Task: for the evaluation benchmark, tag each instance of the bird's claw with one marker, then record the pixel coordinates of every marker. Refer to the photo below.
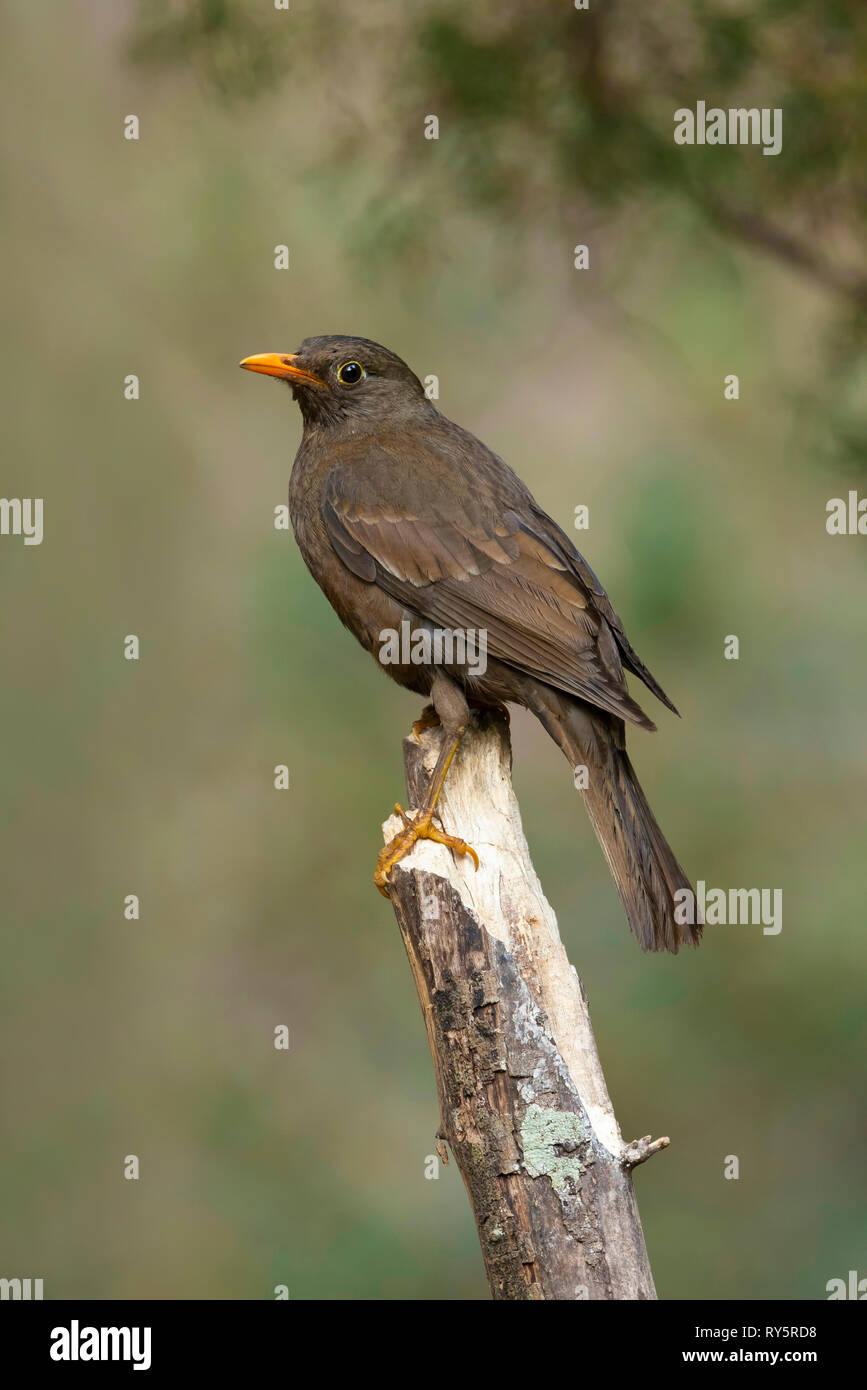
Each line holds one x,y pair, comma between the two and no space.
418,827
428,719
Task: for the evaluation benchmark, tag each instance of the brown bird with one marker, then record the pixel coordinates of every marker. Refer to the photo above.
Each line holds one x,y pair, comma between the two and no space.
403,517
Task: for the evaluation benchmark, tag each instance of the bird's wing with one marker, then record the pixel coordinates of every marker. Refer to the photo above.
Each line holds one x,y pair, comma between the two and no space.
561,545
479,560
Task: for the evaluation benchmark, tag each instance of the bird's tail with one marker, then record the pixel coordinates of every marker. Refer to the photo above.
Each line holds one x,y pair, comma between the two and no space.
640,858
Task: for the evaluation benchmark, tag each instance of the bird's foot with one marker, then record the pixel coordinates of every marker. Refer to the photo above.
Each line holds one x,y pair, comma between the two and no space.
418,827
428,719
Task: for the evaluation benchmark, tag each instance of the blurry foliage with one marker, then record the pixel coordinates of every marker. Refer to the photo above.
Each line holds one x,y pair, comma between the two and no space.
223,42
577,106
667,583
557,119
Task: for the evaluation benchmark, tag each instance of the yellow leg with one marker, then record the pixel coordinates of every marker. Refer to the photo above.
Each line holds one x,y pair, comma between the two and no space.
420,826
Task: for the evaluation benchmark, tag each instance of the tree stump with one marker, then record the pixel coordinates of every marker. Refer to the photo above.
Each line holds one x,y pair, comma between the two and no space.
523,1101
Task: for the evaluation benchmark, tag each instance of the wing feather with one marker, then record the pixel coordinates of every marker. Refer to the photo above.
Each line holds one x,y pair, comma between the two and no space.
466,562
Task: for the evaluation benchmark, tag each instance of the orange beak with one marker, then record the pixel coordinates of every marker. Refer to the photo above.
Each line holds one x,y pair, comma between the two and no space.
283,365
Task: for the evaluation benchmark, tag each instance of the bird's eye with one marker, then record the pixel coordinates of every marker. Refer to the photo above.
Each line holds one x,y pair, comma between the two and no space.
350,373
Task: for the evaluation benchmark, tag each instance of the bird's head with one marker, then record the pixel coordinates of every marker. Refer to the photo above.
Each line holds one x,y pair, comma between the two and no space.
337,379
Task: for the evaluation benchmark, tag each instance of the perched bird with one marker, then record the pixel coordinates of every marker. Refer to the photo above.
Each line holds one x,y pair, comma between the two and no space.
403,516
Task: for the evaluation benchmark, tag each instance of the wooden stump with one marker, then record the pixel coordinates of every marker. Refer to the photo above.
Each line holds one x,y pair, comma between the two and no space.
524,1105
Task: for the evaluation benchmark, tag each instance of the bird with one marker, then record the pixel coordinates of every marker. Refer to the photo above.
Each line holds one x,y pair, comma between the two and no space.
403,516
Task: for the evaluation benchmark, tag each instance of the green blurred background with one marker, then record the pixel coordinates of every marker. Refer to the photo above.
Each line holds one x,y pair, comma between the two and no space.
603,387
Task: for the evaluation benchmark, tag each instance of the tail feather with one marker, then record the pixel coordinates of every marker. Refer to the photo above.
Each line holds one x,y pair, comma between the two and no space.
640,858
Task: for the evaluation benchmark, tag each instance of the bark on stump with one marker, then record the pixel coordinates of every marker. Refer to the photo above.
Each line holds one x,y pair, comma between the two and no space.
523,1101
